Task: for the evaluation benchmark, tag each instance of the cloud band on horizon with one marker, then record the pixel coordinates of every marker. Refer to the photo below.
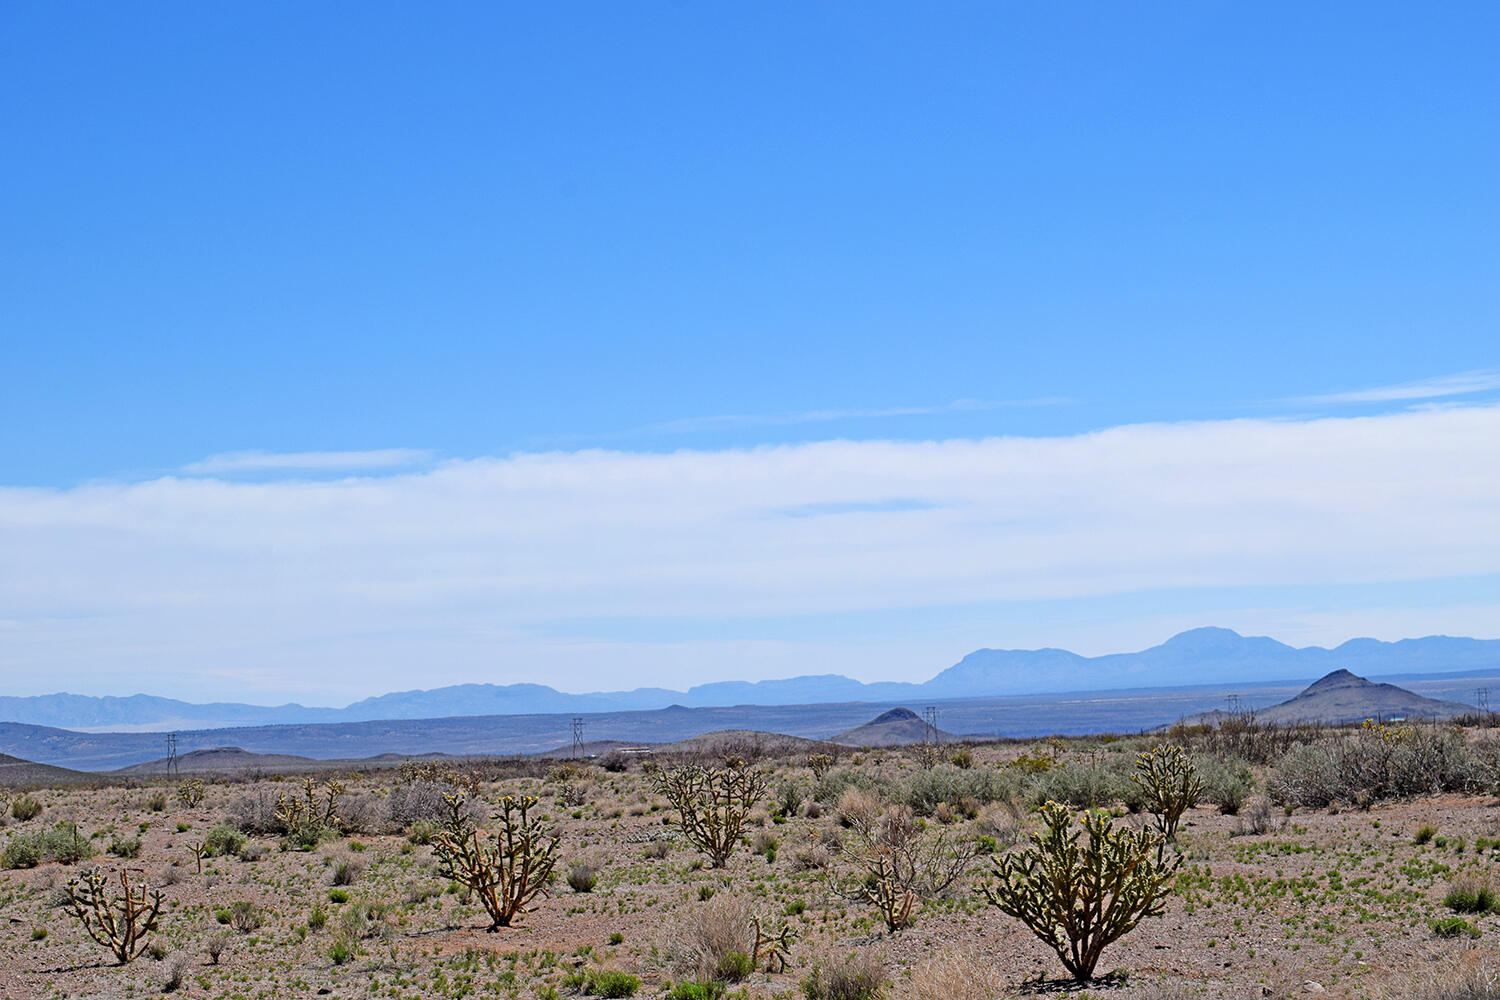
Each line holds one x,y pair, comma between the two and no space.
457,563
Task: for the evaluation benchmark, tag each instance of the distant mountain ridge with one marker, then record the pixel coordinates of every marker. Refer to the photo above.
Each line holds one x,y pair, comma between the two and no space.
1199,656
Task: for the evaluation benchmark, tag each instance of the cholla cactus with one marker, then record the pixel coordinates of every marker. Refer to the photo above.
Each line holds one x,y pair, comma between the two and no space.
712,803
293,812
288,811
332,790
190,792
1079,899
820,764
506,870
1171,785
441,773
121,922
773,945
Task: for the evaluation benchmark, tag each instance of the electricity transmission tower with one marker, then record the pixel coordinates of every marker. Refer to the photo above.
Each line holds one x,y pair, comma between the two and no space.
930,713
577,736
172,755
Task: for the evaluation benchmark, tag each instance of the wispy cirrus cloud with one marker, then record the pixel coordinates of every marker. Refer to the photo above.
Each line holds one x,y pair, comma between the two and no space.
1441,386
732,421
855,507
307,461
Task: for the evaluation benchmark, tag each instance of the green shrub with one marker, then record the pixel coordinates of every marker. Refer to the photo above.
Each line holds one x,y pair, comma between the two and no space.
1375,762
602,983
1471,896
306,836
62,843
1227,783
709,990
338,896
340,951
65,844
789,798
23,851
612,983
1425,834
422,831
1451,927
734,967
224,840
25,808
926,789
1084,786
125,848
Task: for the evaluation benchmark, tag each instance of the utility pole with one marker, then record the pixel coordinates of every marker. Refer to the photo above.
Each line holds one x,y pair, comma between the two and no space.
930,713
172,755
577,737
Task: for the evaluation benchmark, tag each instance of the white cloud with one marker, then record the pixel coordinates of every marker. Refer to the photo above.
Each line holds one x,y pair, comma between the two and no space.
308,461
1461,384
425,577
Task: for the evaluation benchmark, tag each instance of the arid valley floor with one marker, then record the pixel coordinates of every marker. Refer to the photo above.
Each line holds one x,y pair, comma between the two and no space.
1287,896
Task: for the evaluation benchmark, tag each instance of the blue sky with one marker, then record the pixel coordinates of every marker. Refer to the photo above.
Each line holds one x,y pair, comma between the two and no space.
252,251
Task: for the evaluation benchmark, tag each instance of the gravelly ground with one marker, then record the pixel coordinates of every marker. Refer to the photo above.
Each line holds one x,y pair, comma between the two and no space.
1339,903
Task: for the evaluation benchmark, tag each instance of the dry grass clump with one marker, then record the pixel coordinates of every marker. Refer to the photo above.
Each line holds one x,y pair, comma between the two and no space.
713,942
1475,976
859,809
1258,817
813,857
957,974
1004,821
855,976
1282,986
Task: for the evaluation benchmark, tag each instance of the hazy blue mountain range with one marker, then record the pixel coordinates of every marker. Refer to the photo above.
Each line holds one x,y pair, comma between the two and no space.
1199,656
